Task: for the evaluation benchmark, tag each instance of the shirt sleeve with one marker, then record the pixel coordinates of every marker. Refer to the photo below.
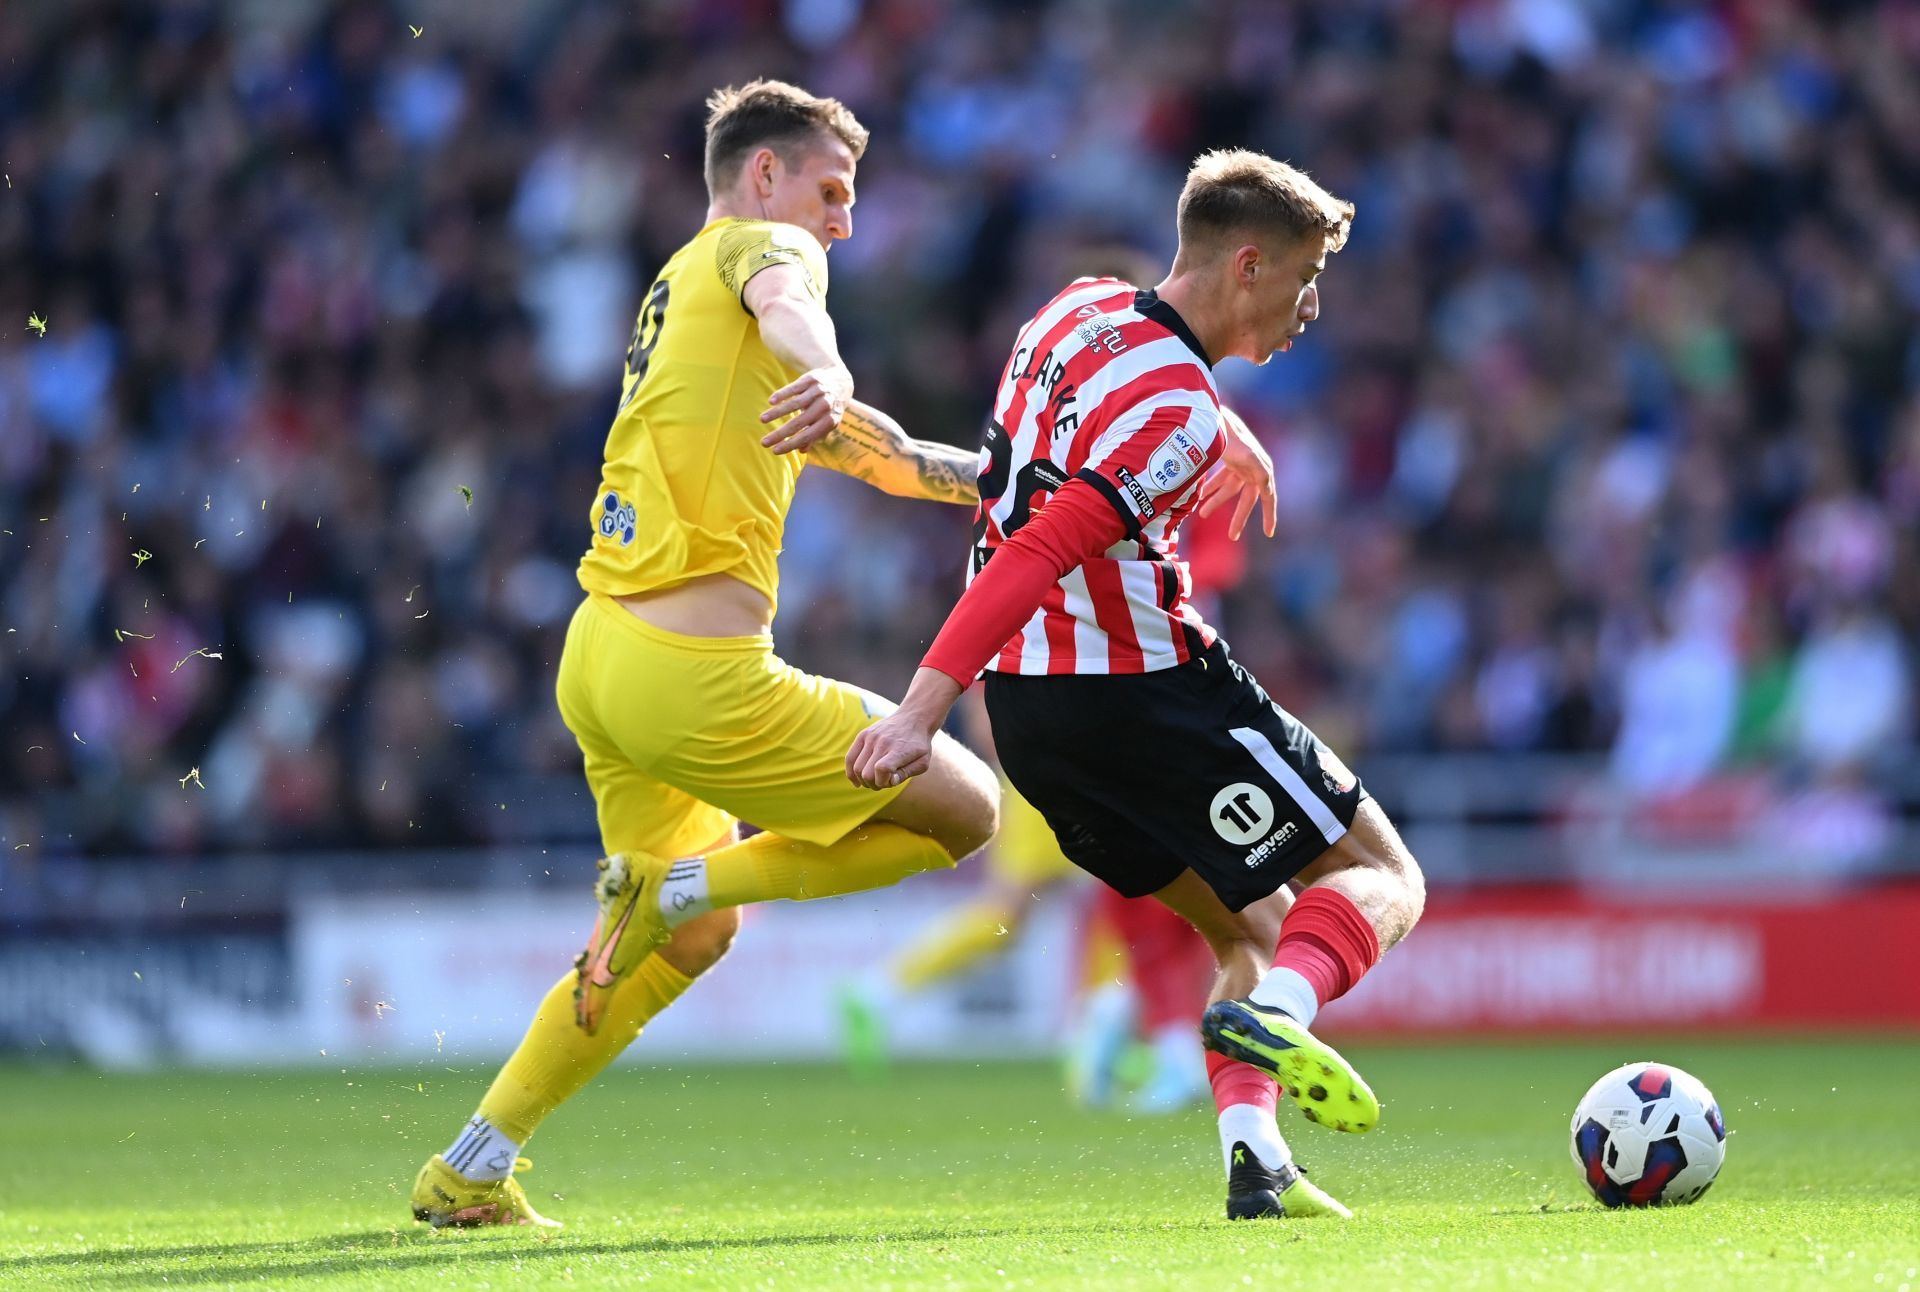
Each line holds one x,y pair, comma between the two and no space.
754,245
1072,527
1153,453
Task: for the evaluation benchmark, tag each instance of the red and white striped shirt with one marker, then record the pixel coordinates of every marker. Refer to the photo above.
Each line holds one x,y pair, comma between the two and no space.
1107,384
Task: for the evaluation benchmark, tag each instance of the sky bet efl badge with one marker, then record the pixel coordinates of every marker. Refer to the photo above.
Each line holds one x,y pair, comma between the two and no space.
1175,461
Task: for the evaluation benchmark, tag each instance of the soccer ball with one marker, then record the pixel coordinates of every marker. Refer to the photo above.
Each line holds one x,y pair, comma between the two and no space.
1648,1134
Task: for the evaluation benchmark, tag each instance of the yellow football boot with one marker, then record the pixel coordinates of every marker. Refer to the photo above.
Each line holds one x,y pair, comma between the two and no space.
628,928
443,1197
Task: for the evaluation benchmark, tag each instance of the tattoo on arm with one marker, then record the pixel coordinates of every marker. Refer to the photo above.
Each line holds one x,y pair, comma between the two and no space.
868,445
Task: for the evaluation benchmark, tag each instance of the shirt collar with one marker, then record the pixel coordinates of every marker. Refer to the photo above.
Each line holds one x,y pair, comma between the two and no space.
1147,302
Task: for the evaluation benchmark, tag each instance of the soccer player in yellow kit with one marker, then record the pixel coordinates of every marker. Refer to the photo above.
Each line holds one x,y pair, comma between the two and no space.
689,723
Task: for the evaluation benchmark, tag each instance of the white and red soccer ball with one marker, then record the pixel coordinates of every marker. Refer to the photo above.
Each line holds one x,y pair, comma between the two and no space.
1648,1134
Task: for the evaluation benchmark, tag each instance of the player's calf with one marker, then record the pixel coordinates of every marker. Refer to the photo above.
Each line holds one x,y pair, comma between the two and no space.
699,944
1262,1178
1362,895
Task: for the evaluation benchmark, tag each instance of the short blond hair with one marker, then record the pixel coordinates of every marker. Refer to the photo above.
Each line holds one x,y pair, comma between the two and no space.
773,114
1236,190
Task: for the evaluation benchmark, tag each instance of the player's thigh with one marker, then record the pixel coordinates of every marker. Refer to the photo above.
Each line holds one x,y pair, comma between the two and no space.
1025,854
1257,924
1210,778
638,812
771,749
720,722
956,800
1370,843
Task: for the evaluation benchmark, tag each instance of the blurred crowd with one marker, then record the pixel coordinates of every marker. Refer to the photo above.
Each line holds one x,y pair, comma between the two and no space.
1608,440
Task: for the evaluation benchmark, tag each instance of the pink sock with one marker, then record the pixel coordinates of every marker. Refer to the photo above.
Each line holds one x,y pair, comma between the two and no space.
1235,1082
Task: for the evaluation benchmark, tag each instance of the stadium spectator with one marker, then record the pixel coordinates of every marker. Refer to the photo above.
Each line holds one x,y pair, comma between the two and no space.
1632,294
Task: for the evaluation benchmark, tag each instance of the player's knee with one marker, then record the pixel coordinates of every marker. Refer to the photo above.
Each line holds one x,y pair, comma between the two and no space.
1390,856
979,818
1416,881
957,805
1380,851
973,815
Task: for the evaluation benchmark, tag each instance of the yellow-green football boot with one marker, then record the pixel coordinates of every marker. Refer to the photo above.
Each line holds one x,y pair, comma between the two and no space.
444,1198
1256,1191
1312,1072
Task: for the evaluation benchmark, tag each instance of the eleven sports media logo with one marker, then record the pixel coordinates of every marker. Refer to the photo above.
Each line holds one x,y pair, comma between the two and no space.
1243,812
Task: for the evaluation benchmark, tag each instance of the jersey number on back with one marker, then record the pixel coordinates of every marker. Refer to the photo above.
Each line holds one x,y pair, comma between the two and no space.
646,335
1035,478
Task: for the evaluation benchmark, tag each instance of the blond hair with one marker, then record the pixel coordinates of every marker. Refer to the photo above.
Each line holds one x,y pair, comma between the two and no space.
773,114
1234,190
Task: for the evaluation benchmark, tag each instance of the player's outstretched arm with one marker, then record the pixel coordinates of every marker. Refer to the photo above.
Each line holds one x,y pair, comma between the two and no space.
1077,524
868,445
799,331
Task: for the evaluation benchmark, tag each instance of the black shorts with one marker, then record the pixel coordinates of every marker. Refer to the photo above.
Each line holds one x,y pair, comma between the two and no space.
1145,775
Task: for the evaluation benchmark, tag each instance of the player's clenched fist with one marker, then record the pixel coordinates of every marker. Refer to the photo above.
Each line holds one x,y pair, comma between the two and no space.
888,752
900,745
814,403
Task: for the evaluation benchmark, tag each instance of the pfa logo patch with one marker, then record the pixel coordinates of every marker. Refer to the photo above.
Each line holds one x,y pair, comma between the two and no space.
617,518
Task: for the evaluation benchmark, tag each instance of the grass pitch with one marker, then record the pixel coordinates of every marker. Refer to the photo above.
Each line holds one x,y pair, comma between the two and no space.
962,1175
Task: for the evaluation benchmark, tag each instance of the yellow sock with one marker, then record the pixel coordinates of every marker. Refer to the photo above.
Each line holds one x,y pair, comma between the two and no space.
770,865
556,1058
964,938
1106,957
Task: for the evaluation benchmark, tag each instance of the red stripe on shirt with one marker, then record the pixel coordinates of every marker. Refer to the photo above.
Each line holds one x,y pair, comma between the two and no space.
1113,616
1062,328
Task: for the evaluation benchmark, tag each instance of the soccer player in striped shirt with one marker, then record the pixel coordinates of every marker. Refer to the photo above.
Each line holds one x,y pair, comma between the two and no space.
1161,764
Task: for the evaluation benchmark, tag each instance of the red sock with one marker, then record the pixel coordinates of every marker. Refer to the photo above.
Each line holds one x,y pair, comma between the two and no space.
1235,1082
1326,940
1171,964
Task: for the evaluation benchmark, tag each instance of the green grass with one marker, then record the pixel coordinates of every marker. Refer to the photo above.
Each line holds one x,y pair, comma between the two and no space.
966,1175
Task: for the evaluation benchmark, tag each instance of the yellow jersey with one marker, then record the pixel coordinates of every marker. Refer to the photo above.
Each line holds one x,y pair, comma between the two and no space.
687,488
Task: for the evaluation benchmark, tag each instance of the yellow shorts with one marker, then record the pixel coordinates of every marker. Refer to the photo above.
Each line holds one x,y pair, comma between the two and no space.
684,736
1025,854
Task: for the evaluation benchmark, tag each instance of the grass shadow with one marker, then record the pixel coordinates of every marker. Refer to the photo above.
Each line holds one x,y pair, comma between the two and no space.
415,1249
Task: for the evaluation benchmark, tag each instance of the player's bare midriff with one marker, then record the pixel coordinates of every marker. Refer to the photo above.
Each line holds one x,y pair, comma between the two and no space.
709,605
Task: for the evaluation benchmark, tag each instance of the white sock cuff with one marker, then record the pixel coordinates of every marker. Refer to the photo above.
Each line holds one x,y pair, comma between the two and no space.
1288,991
1253,1126
684,894
481,1152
